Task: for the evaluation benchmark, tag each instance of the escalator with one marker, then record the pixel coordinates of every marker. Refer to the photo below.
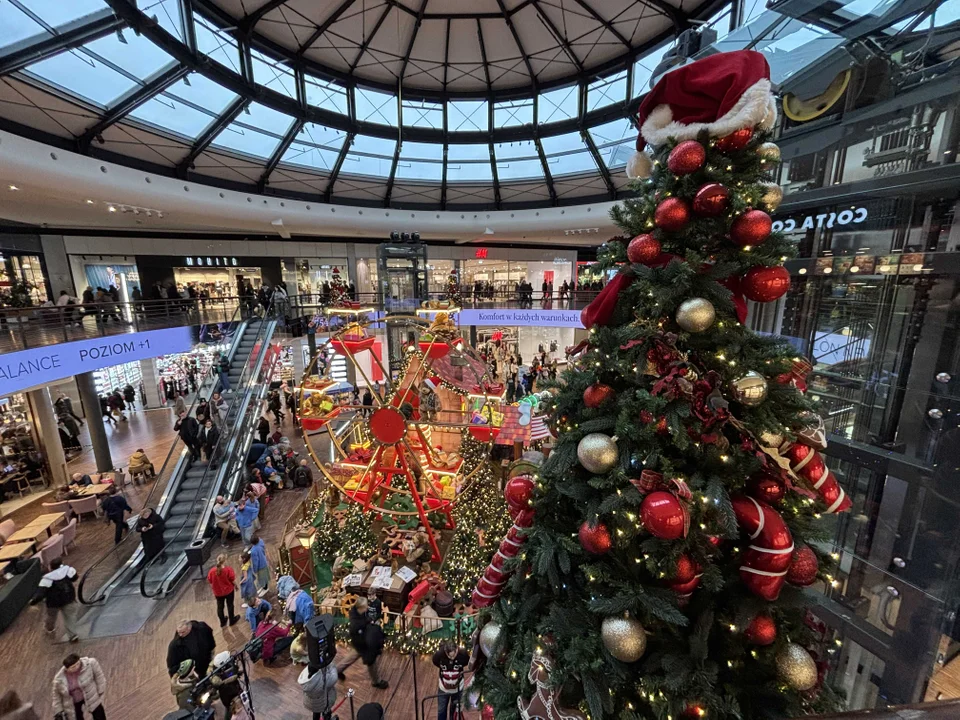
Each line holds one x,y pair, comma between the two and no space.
181,494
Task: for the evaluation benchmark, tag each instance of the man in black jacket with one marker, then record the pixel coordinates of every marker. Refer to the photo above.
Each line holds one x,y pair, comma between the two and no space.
366,640
189,430
57,589
209,438
263,428
114,506
193,641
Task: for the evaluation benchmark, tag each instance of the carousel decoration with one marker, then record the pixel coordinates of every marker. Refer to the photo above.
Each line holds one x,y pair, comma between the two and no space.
398,458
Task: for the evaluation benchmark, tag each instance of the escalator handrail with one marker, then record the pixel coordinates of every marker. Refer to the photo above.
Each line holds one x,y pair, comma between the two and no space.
227,435
131,542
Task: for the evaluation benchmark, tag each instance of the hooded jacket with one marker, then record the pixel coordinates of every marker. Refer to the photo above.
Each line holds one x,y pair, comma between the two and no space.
319,691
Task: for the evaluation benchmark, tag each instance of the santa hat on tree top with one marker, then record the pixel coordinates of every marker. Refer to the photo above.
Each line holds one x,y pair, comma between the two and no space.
720,93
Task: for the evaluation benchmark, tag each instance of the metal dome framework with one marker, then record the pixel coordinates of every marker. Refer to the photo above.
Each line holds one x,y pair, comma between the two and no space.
247,111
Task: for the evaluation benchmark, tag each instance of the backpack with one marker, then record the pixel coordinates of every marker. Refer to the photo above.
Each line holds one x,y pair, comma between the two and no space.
60,593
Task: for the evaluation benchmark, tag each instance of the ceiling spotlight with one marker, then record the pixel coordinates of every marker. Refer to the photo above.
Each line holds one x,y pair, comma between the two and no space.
112,209
14,188
160,215
90,202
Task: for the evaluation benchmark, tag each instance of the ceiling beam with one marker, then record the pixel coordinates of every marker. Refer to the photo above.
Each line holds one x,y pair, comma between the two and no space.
324,26
459,16
604,171
337,166
523,53
130,101
446,60
443,179
187,25
282,148
679,20
545,19
483,58
69,36
393,175
547,176
208,135
497,201
366,43
247,23
606,23
413,39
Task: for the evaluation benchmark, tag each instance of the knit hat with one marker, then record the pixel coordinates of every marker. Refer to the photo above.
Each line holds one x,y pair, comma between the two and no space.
185,667
720,93
221,658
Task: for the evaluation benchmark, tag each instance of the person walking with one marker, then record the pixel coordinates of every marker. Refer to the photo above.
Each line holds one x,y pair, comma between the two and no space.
150,526
259,564
115,507
179,405
319,686
223,582
303,475
57,589
274,406
105,411
69,432
366,641
263,429
193,641
247,512
130,397
189,430
80,684
451,660
64,405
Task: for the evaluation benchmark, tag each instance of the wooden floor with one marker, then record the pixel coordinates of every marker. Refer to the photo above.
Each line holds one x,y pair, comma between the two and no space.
138,687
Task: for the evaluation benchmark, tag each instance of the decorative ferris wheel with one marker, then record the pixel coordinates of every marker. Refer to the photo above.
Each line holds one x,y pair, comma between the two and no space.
399,456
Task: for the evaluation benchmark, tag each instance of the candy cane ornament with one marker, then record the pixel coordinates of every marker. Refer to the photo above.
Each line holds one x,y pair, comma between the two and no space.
808,465
765,563
490,585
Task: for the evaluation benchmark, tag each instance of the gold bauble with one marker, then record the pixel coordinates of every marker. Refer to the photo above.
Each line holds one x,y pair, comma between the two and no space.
772,439
696,315
624,638
772,196
749,389
796,668
769,152
598,453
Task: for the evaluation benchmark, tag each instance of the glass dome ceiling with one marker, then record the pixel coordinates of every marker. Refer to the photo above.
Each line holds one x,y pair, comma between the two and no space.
528,103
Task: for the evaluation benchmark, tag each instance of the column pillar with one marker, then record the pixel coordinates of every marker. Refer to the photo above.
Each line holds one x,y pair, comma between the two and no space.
151,383
58,265
91,410
42,405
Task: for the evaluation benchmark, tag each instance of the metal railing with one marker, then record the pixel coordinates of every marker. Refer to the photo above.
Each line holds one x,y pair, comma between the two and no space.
99,576
156,579
22,328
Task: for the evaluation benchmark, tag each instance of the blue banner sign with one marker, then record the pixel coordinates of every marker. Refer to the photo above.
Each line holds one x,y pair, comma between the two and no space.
38,366
521,318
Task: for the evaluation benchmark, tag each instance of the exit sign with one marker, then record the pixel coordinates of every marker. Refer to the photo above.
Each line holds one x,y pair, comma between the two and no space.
481,253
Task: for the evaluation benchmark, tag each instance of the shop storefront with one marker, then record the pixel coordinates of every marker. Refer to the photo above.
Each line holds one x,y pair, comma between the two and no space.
308,276
217,276
23,277
17,433
494,278
103,271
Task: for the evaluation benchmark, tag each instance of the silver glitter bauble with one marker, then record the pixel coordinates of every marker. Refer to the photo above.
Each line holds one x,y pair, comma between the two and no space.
696,315
489,636
598,453
624,638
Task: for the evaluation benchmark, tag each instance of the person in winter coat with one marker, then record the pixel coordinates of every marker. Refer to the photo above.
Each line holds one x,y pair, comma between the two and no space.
114,507
80,684
193,641
223,582
225,516
223,370
57,590
366,640
130,396
179,406
218,408
150,526
303,475
227,683
182,683
189,430
139,461
257,611
259,564
263,429
276,638
209,437
451,661
247,512
319,686
299,607
248,587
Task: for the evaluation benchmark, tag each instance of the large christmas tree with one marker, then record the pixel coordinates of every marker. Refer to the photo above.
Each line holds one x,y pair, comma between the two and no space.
657,563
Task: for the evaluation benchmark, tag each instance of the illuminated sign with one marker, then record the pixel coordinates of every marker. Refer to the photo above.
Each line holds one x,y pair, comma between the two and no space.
39,366
521,318
481,253
827,220
210,262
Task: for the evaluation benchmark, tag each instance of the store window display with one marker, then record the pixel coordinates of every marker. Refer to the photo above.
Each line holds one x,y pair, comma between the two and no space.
216,282
22,282
312,274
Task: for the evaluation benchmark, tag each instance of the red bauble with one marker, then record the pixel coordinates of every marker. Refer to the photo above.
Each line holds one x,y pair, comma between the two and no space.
765,284
762,631
751,228
595,539
673,214
803,567
662,427
687,157
643,249
711,200
664,516
766,488
486,713
686,570
597,394
737,140
646,417
518,492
